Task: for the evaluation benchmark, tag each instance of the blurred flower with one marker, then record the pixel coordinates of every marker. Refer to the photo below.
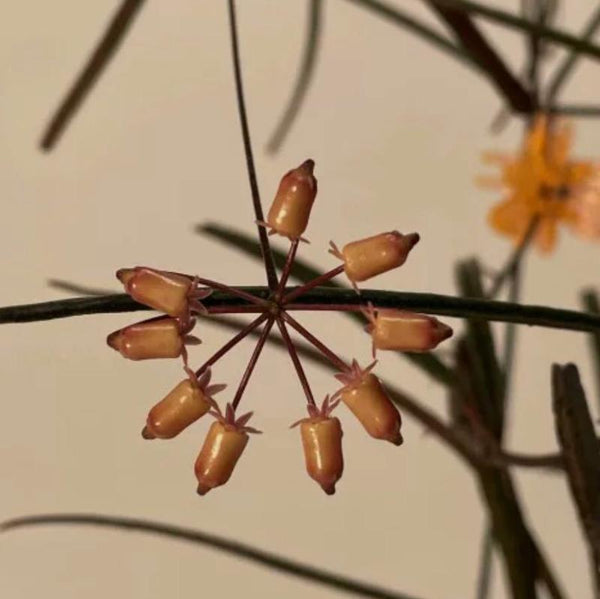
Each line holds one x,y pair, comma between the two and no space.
543,183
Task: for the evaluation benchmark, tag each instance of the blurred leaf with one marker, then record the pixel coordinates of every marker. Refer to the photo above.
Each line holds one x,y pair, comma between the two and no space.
514,21
566,68
577,438
96,64
486,379
305,74
303,272
229,546
77,289
591,303
408,22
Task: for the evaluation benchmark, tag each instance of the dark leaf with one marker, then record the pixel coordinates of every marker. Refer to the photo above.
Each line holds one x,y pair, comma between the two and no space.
577,438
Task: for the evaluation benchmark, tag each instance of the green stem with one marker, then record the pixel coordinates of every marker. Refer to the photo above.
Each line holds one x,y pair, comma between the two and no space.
330,298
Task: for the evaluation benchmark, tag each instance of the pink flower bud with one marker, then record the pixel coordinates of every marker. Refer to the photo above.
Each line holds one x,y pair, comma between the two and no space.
222,449
180,408
291,207
168,293
372,256
322,443
406,331
155,338
365,396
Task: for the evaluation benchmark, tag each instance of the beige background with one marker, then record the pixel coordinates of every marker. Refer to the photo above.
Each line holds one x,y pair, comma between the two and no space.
396,130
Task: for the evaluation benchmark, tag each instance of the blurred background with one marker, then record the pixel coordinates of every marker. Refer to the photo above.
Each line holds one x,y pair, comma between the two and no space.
396,129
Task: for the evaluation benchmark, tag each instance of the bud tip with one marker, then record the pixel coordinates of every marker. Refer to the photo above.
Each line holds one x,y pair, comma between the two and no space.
125,274
203,489
113,340
147,434
308,166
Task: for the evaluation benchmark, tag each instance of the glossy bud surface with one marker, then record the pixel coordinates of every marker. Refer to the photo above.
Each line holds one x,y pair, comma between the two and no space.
222,449
407,331
322,444
372,256
158,338
369,402
293,202
165,292
180,408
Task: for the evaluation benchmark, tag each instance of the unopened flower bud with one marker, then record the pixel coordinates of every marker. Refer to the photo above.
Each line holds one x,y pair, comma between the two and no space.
180,408
222,449
406,331
372,256
322,443
291,207
166,292
365,396
155,338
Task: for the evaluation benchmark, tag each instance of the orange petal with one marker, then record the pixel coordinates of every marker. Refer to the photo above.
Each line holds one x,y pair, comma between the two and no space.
510,217
545,238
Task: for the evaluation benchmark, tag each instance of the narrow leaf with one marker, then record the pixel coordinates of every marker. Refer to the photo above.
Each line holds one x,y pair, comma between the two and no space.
577,438
228,546
591,303
97,63
305,74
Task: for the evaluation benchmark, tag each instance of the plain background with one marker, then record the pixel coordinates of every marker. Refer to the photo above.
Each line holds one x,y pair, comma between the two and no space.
396,130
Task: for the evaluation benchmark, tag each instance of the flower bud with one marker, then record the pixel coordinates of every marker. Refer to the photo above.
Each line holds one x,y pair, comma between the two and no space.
322,443
222,449
162,291
181,407
291,207
406,331
368,401
155,338
372,256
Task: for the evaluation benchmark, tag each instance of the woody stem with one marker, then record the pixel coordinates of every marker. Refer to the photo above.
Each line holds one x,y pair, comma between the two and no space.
296,360
252,363
314,283
289,261
231,343
329,354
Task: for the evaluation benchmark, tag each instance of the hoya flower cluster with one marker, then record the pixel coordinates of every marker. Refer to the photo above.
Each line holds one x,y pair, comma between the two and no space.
179,297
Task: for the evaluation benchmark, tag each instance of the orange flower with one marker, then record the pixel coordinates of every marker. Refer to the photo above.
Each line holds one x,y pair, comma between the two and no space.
543,182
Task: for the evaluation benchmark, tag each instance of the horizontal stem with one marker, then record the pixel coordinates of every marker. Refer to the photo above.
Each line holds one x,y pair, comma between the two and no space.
329,299
292,295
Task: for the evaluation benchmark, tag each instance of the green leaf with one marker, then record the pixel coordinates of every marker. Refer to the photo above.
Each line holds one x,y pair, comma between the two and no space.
303,271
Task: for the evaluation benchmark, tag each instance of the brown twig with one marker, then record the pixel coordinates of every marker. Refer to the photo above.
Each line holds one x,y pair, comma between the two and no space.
239,90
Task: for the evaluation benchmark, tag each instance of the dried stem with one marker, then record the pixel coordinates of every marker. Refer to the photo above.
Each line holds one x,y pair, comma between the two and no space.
329,354
252,363
239,90
232,343
314,283
296,360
